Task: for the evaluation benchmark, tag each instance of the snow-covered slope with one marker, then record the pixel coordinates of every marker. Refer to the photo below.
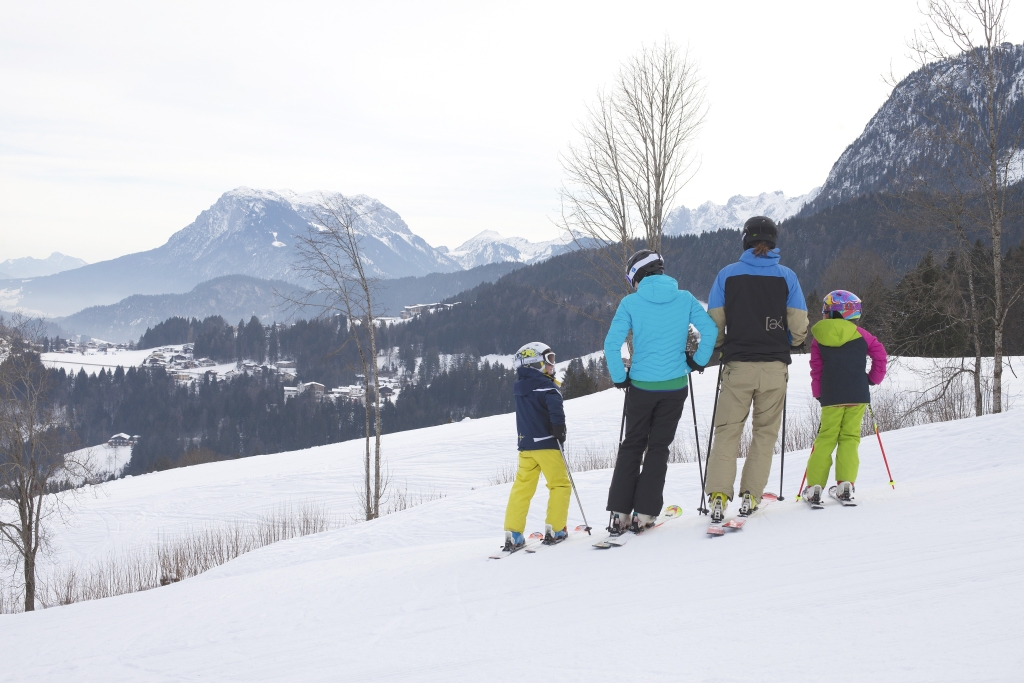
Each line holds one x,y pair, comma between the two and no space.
491,247
709,217
905,587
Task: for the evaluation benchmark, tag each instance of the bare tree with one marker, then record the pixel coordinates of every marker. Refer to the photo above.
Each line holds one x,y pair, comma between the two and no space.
634,155
35,443
983,136
330,258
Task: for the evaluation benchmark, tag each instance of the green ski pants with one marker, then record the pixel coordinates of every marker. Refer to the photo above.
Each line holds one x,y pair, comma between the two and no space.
840,426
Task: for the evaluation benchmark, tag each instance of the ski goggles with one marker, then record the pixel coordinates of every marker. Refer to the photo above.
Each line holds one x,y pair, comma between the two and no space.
549,357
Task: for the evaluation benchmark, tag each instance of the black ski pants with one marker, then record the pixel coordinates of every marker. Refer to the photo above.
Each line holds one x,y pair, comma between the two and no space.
651,419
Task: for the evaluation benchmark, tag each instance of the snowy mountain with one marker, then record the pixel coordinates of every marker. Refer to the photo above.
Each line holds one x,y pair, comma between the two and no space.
252,232
38,267
709,217
491,247
923,586
893,143
245,232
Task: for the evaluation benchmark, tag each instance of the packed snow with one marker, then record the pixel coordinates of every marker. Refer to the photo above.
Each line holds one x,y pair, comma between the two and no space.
917,583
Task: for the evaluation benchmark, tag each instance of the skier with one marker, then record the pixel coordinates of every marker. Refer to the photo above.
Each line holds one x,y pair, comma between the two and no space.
659,315
761,314
838,381
540,421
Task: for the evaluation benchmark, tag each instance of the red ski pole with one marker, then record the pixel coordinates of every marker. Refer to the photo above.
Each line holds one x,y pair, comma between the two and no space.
892,483
801,489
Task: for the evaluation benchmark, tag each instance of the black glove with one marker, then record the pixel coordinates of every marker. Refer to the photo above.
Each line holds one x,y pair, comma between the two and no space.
558,431
796,349
693,365
623,384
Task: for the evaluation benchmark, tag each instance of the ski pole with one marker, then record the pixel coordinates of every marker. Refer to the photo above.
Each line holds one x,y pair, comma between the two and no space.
892,483
782,464
625,398
702,509
573,484
804,479
711,435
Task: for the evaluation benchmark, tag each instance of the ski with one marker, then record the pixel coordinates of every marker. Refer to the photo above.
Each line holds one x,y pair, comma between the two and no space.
845,503
671,512
532,541
736,523
537,534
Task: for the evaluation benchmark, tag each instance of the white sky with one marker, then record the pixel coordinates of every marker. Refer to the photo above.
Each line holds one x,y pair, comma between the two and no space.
120,122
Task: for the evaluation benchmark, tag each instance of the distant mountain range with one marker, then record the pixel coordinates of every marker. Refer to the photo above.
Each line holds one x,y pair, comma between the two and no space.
491,247
709,217
250,232
38,267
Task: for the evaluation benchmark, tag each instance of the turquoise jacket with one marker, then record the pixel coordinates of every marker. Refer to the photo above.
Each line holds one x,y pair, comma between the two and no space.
659,313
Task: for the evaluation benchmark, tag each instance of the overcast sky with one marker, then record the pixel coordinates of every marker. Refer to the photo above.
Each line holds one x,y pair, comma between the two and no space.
120,122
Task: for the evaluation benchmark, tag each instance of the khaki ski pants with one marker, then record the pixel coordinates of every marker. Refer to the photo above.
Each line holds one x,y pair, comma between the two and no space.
743,384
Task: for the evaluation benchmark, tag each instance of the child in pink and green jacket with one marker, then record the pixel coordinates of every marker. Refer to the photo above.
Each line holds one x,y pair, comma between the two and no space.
839,353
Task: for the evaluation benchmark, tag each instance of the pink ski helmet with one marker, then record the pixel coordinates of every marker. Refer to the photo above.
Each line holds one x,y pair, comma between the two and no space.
840,301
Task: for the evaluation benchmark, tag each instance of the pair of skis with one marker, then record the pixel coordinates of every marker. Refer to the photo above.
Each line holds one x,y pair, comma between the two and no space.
614,541
534,542
736,523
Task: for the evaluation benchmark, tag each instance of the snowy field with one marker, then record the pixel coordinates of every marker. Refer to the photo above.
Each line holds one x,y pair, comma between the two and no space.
915,584
93,361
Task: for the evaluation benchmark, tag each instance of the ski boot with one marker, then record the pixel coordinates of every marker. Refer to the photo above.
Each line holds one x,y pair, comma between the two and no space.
513,541
748,504
620,523
642,522
812,495
718,503
552,537
844,490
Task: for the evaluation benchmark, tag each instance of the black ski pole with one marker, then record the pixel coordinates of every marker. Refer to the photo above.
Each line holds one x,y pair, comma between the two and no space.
782,465
573,484
625,397
711,434
702,509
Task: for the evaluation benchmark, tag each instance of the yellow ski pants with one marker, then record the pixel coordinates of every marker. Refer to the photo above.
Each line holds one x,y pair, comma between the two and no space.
531,464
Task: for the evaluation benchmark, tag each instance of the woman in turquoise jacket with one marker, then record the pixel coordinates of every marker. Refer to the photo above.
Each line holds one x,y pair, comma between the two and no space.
659,314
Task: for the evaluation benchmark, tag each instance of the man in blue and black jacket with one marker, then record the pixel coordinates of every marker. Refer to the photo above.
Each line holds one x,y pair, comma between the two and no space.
659,315
761,314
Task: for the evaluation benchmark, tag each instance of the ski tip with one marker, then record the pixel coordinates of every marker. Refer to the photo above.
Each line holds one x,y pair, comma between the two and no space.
769,496
673,511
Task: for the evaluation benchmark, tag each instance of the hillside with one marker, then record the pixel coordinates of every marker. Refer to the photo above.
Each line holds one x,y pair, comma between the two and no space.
910,587
894,144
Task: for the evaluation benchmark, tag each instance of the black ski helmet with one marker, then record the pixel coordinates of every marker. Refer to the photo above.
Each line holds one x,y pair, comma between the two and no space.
641,264
759,229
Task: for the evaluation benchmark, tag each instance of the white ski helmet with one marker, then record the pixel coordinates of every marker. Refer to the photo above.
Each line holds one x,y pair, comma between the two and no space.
534,355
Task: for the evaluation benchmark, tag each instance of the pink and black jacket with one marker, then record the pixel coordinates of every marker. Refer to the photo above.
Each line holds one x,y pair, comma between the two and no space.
838,358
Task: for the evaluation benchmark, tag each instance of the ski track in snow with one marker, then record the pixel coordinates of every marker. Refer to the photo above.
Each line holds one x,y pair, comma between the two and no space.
920,583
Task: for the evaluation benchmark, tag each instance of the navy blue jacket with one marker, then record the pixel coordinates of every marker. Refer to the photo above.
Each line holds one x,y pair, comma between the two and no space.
538,406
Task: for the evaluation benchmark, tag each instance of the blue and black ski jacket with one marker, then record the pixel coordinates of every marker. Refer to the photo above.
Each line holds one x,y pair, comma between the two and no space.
538,406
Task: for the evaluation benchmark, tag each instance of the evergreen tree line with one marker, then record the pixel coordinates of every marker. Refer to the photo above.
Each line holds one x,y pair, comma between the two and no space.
215,420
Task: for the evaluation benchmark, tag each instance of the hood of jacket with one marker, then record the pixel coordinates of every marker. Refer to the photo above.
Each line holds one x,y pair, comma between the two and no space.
835,332
530,379
771,259
658,289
